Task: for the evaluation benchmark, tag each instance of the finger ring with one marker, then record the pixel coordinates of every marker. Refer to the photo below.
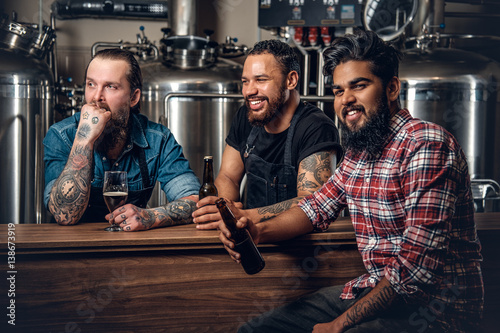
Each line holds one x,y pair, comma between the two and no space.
95,120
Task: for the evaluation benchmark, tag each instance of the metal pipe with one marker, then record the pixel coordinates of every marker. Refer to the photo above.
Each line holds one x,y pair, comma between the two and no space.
40,25
125,45
183,17
307,64
53,62
472,15
320,78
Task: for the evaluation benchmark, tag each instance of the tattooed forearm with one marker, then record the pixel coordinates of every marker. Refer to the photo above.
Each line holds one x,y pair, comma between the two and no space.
370,305
271,211
83,131
70,193
175,212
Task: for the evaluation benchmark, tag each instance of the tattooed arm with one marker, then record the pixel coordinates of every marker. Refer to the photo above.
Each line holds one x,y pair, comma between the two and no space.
314,171
380,299
133,218
70,193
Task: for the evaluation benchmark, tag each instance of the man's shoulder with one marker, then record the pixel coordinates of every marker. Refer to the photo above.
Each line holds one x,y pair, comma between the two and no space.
422,130
313,114
313,119
148,125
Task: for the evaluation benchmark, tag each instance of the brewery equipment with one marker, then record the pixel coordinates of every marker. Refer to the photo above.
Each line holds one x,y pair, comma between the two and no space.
26,104
454,88
192,90
189,84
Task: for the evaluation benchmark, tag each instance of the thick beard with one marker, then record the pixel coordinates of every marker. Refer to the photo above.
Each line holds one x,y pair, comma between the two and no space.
371,137
116,131
274,109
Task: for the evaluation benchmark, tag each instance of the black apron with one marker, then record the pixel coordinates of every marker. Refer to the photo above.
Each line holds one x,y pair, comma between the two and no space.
97,208
269,183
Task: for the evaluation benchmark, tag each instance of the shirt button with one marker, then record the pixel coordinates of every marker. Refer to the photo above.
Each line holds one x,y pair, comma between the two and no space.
369,267
129,146
104,158
367,180
116,164
371,241
372,280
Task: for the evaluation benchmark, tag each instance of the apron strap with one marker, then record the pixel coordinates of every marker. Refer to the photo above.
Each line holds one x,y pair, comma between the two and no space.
250,140
291,132
288,145
143,166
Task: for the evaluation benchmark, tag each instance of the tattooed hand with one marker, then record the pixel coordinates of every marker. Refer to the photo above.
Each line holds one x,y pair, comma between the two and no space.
93,120
133,218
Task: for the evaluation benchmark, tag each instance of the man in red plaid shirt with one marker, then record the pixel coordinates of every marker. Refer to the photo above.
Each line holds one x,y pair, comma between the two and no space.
407,187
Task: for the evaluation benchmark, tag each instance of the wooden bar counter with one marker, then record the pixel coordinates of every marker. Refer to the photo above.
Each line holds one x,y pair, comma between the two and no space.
177,279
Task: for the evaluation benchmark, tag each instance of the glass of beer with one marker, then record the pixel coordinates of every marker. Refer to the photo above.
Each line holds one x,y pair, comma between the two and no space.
115,192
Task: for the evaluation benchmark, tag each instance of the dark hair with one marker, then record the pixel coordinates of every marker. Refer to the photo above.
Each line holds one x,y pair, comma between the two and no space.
281,51
134,74
364,46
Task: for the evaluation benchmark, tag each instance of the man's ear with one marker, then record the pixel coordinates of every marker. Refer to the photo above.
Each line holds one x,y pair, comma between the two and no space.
136,96
393,88
292,80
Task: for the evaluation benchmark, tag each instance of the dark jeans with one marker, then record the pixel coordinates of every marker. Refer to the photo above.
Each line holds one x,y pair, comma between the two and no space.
324,306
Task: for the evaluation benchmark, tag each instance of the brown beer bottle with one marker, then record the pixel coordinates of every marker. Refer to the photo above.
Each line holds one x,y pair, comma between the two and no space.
208,187
251,260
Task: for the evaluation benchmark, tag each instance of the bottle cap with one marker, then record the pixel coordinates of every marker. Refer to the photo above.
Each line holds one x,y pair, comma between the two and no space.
208,157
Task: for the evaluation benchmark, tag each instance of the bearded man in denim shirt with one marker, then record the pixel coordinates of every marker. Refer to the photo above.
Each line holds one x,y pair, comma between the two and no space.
110,134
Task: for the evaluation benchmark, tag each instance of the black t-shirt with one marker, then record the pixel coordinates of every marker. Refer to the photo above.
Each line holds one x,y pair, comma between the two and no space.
314,132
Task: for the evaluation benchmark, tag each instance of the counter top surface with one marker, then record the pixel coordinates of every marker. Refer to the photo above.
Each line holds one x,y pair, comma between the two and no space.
92,235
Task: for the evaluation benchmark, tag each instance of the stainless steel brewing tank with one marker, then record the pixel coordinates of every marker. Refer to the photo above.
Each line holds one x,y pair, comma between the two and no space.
196,96
26,103
458,90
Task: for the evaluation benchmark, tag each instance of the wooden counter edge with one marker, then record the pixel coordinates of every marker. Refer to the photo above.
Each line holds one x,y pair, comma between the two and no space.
187,237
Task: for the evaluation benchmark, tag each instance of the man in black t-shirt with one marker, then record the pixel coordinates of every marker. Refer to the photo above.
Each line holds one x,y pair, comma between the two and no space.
287,148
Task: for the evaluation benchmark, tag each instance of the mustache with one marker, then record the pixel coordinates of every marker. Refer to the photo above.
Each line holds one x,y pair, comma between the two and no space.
100,105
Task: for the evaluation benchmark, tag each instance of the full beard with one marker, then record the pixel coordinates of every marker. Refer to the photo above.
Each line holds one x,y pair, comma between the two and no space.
372,136
273,109
116,131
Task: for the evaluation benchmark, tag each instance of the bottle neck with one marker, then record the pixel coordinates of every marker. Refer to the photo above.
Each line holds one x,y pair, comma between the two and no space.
226,214
208,172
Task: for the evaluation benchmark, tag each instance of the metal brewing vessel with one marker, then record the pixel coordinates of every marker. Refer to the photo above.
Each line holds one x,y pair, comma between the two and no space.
458,90
26,104
195,94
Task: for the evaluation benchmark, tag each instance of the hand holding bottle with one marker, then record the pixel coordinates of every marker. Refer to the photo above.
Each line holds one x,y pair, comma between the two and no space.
207,215
238,240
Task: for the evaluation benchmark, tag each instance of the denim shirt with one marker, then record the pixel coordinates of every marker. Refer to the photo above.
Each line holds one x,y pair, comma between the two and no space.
165,160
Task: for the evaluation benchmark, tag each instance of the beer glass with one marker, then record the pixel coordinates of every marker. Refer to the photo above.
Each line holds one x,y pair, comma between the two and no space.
115,192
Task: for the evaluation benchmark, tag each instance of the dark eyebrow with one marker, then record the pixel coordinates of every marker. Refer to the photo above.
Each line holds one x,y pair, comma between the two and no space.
257,76
353,82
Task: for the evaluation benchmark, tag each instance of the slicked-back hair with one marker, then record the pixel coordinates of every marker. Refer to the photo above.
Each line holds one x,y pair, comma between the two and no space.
364,46
134,74
282,52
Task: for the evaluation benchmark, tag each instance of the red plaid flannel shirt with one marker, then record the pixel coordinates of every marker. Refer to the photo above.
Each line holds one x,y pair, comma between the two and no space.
413,214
